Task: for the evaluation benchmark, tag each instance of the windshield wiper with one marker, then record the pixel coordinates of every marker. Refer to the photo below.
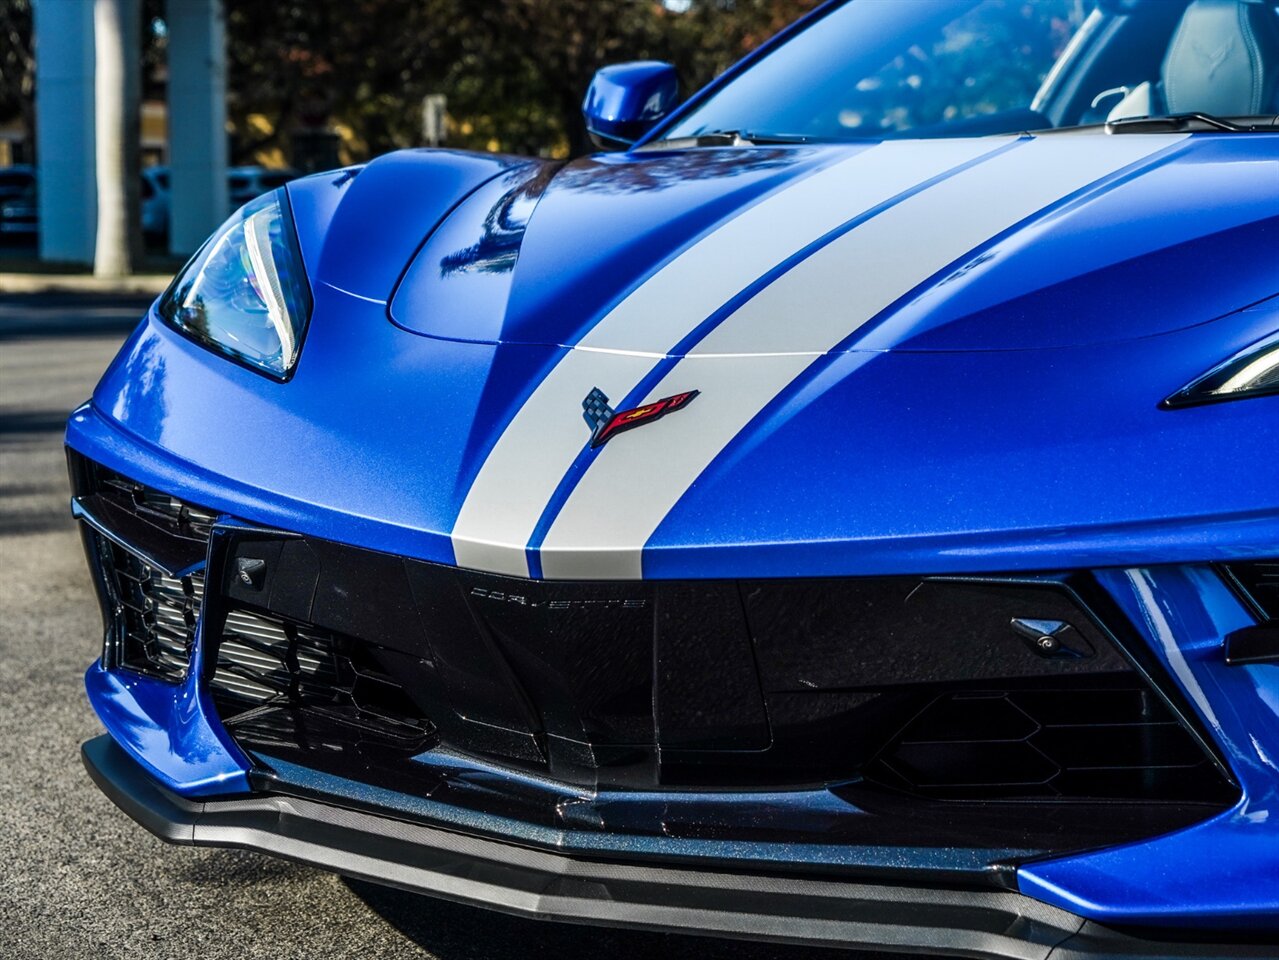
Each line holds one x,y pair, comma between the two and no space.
1173,123
726,138
1195,123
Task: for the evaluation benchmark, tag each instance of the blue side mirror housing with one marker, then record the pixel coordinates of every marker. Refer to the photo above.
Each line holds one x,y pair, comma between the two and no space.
626,100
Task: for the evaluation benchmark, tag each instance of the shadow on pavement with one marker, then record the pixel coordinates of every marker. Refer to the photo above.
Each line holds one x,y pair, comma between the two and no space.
32,503
39,315
30,422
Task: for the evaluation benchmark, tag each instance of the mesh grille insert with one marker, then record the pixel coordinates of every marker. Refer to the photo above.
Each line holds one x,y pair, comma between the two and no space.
151,614
266,664
915,689
155,614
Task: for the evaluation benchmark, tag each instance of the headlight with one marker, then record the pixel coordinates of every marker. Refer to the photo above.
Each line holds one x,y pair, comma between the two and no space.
1251,373
245,293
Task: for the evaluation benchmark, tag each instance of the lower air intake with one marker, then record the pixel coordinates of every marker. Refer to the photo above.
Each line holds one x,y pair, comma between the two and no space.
155,613
147,550
1112,742
275,678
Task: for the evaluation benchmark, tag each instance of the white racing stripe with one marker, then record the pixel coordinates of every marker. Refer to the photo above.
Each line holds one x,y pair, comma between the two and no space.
521,473
631,485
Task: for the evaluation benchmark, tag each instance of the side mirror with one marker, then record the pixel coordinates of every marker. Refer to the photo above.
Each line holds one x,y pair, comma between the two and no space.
626,100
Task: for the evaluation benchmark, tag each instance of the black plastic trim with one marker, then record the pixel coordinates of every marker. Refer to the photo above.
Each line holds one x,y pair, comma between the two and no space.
176,562
1253,645
541,885
1234,573
496,875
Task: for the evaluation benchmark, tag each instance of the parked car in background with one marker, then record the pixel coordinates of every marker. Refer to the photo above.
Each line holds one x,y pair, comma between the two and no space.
18,215
15,181
245,183
154,195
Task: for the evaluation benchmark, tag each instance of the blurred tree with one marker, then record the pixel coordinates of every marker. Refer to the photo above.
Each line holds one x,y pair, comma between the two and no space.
514,71
18,61
117,100
17,66
709,36
519,68
304,64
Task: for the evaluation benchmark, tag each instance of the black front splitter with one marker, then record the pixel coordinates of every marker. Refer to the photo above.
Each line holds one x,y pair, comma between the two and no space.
538,884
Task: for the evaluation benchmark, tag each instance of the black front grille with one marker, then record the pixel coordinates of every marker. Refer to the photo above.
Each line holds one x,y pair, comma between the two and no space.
912,694
155,615
267,665
154,587
1103,742
1259,584
932,687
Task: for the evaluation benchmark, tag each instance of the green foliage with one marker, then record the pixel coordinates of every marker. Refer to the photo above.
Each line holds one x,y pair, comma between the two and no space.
17,63
514,71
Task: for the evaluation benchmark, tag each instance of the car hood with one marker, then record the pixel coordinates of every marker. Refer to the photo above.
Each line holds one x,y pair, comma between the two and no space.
990,244
895,358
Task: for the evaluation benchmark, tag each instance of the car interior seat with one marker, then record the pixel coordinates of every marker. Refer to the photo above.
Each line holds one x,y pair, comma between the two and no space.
1223,59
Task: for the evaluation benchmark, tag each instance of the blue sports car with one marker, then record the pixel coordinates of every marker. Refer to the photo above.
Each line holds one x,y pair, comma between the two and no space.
843,510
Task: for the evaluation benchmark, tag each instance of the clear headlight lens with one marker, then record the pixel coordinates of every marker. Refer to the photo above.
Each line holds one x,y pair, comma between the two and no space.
1251,373
245,293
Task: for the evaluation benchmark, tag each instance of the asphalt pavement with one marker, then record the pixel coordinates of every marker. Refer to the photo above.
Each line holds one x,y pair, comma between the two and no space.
78,879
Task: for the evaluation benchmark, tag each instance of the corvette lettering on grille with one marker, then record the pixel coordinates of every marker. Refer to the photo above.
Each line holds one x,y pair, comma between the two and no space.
611,603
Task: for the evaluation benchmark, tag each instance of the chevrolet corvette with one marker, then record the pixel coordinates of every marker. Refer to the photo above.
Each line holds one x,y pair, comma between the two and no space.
842,510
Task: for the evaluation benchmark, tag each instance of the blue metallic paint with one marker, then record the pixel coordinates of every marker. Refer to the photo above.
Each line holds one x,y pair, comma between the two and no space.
626,100
171,729
425,410
699,333
1076,466
1055,507
597,228
603,224
1110,264
387,378
376,439
359,227
459,285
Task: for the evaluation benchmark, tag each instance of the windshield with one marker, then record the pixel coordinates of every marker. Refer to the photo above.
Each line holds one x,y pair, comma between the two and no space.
873,69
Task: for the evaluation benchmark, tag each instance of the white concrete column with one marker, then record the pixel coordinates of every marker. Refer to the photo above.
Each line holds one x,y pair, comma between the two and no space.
117,28
64,129
197,121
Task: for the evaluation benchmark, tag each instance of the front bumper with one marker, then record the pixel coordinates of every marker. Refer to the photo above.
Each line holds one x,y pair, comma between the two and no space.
541,885
1216,873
